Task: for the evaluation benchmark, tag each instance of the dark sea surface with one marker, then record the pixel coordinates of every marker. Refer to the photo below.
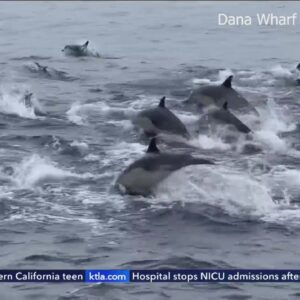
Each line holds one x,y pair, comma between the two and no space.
60,156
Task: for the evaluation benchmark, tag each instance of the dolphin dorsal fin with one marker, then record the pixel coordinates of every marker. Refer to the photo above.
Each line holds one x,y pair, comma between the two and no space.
37,64
298,67
85,44
227,82
152,148
162,102
225,105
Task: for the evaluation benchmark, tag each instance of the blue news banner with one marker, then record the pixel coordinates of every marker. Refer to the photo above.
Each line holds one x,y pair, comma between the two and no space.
121,276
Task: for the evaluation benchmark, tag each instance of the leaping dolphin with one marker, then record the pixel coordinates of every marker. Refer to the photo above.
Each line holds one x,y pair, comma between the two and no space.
76,50
217,94
160,120
224,116
142,176
79,50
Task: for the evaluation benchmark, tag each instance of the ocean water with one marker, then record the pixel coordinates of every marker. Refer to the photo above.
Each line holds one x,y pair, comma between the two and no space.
61,155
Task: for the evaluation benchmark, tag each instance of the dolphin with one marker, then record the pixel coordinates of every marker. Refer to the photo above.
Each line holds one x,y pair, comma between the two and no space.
78,50
217,94
143,175
41,68
224,116
160,120
38,69
50,73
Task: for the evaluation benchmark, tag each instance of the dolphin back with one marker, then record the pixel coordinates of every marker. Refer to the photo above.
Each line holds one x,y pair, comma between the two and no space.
204,96
172,162
226,117
216,95
161,119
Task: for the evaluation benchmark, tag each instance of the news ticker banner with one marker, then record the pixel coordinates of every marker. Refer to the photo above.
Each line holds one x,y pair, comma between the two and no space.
172,275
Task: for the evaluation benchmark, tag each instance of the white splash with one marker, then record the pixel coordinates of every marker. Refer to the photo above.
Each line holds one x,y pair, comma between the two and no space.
92,157
81,146
12,102
74,115
236,193
35,169
209,142
279,71
274,121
